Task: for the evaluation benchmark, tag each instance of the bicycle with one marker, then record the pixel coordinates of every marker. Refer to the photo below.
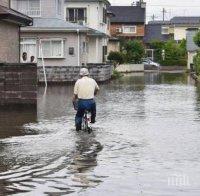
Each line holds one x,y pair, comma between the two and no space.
85,122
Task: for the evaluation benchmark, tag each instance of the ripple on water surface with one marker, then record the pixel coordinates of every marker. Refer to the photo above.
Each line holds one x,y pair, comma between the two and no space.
145,141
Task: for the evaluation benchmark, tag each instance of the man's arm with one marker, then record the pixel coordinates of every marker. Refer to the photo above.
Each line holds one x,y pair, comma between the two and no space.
96,89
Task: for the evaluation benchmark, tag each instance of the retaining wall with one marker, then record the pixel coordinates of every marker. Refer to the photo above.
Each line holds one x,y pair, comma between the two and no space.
126,68
61,74
18,84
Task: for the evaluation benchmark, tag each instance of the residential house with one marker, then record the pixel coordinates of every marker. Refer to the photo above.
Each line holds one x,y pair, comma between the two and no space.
51,40
158,30
128,23
10,23
92,14
191,46
182,23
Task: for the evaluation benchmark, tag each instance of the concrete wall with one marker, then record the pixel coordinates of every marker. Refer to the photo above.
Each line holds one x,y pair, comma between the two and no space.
100,73
130,68
190,58
18,84
9,42
70,40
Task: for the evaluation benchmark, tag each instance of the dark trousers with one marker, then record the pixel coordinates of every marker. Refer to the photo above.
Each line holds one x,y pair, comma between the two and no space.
85,104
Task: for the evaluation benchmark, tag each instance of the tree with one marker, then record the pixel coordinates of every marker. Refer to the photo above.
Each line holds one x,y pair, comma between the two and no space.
196,39
116,58
133,51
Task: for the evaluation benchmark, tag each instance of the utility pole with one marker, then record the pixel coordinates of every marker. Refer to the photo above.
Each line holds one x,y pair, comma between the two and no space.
153,17
164,12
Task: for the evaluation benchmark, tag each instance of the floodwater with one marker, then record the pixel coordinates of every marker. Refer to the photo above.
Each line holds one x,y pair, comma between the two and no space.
146,141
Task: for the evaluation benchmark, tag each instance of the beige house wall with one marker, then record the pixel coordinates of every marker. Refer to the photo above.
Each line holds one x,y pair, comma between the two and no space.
70,40
4,3
9,42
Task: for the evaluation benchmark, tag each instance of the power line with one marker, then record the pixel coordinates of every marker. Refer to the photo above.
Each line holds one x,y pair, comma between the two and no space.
197,6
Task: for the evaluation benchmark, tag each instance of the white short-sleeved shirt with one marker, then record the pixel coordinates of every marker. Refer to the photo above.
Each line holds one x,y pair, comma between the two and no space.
85,88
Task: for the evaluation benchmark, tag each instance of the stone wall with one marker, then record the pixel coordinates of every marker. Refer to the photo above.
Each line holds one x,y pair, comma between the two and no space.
18,84
100,73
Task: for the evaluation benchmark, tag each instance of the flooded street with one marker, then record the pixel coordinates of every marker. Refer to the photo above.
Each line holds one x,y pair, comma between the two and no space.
146,141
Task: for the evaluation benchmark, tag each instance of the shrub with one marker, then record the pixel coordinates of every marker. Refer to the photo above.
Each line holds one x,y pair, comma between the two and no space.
197,63
115,58
116,74
196,39
133,51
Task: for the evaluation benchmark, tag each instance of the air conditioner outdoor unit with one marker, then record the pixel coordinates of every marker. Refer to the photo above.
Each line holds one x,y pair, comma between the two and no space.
119,30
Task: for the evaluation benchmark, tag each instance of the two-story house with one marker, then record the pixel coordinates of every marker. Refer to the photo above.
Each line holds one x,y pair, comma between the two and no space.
182,23
10,23
51,40
128,22
92,14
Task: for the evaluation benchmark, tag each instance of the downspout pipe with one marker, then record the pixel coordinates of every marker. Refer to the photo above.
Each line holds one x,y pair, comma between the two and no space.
78,53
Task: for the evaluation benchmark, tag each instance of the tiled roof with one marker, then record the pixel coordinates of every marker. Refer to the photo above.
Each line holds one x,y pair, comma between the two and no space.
186,20
159,22
127,14
12,15
54,24
154,32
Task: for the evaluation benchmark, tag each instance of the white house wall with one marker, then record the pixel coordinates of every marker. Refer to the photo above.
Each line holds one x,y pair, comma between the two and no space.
94,14
179,33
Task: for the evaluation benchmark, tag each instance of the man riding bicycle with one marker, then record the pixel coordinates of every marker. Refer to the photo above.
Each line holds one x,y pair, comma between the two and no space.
84,91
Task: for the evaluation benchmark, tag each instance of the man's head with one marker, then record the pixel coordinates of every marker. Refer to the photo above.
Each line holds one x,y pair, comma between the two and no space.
32,59
84,72
24,56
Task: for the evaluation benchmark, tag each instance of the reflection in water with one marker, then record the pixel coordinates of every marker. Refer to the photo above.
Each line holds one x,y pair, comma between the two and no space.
147,130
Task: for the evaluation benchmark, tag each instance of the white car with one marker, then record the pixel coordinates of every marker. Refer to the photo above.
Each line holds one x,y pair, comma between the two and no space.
147,62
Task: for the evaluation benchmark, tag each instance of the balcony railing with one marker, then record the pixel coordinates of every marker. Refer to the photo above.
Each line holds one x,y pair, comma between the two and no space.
32,13
78,21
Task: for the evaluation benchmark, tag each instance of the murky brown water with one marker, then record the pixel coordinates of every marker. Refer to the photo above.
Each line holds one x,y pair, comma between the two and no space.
146,142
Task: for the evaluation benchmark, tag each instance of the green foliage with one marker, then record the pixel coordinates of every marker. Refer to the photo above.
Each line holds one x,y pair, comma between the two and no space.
197,63
116,57
116,74
175,53
197,39
133,51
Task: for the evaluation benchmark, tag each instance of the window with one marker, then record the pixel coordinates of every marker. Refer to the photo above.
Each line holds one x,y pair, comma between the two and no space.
165,30
59,6
85,47
28,46
29,7
129,29
52,48
76,15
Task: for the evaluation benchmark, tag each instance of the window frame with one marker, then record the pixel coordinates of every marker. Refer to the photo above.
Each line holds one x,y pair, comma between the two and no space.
27,12
132,26
165,33
51,40
22,43
76,16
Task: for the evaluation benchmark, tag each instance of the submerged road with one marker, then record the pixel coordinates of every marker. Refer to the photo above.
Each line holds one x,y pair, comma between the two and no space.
146,141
